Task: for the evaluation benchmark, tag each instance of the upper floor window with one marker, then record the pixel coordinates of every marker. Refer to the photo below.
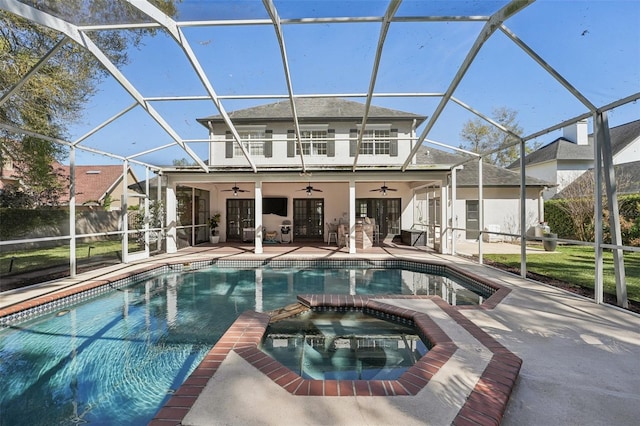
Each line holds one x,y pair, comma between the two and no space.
253,142
314,142
257,140
377,139
375,142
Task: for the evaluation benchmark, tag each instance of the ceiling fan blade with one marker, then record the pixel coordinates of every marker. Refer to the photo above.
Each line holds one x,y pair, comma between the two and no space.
391,189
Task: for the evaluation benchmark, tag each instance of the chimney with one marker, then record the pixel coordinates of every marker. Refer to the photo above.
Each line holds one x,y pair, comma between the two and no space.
577,133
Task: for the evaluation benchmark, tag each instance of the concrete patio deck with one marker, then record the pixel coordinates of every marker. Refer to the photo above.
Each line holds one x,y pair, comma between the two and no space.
581,361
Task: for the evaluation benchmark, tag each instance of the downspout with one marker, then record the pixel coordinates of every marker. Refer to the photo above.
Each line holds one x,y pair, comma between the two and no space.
413,137
210,126
541,205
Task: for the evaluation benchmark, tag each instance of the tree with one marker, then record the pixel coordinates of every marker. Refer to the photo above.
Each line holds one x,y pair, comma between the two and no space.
183,162
578,202
481,136
53,98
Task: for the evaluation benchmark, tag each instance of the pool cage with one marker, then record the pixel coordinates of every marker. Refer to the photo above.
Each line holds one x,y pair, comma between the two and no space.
386,42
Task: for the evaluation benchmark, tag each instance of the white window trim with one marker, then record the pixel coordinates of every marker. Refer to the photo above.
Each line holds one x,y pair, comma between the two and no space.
252,128
314,126
375,126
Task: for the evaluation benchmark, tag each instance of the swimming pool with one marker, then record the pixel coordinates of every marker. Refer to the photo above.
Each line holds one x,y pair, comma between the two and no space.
117,358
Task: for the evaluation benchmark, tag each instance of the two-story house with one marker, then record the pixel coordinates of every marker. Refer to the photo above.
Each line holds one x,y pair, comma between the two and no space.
566,158
326,172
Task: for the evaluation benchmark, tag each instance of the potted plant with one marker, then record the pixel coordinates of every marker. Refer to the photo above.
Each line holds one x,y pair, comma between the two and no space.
213,225
549,241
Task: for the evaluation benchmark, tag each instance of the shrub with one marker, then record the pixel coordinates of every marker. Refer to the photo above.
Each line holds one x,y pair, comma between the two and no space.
20,222
556,213
559,220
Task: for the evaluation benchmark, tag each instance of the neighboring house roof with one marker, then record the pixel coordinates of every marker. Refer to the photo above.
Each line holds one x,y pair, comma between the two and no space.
93,183
564,150
627,179
313,110
491,175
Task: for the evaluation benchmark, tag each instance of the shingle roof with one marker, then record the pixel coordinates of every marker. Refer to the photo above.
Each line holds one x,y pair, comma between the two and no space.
627,178
491,175
314,109
563,149
92,182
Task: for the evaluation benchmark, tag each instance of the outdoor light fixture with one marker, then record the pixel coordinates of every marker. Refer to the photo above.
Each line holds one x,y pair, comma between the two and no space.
236,189
310,189
383,189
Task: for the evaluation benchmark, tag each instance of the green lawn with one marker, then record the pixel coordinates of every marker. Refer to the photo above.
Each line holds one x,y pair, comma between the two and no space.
36,259
575,265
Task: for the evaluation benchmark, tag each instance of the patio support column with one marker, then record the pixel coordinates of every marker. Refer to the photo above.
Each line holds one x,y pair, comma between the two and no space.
426,214
73,267
352,216
454,196
159,233
258,219
444,212
480,210
123,213
147,216
602,133
523,212
597,177
171,241
194,206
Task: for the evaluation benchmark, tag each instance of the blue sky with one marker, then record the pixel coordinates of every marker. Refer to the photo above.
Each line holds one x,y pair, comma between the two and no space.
595,45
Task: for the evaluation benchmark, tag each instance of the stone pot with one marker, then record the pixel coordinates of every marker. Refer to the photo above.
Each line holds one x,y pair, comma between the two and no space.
549,241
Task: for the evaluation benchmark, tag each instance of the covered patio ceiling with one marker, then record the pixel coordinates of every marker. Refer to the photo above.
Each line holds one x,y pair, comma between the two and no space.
451,61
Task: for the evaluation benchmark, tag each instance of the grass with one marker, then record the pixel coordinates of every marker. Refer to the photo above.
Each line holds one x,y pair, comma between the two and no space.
36,259
575,265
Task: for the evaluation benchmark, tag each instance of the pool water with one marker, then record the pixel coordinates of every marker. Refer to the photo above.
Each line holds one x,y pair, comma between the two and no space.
343,346
116,359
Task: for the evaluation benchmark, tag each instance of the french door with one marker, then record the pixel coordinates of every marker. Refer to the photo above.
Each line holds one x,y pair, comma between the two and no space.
308,219
240,215
386,212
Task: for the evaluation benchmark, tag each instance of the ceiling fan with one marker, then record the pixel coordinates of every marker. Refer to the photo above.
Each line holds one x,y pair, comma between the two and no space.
383,189
310,189
236,189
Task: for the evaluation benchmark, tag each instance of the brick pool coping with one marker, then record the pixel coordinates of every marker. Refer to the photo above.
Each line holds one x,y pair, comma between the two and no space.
485,405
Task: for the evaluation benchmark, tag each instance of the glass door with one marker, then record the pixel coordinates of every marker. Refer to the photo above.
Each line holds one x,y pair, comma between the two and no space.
240,216
308,219
473,220
385,211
